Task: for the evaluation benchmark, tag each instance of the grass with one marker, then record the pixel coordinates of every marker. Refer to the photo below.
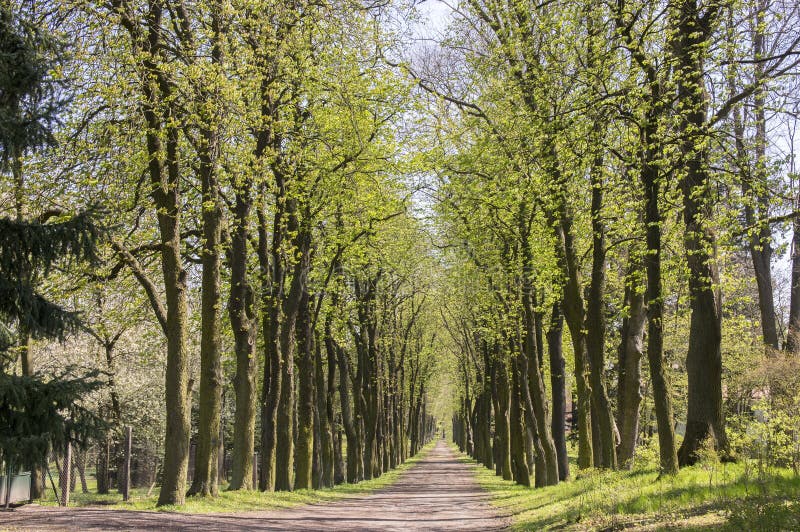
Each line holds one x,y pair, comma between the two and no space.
241,501
702,497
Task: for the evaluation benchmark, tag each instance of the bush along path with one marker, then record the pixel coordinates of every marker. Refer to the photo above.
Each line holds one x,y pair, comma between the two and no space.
439,492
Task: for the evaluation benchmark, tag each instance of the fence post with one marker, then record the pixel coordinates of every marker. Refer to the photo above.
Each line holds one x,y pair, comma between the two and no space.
192,457
221,473
126,476
255,471
66,471
7,481
104,466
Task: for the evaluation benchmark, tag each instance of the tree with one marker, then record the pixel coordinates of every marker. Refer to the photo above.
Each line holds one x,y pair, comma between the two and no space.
27,247
649,157
164,169
38,414
29,102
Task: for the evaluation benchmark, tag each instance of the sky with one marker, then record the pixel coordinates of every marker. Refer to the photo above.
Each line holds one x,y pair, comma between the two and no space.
435,14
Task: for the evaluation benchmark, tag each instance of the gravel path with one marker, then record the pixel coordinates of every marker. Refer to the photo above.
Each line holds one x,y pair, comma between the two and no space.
439,493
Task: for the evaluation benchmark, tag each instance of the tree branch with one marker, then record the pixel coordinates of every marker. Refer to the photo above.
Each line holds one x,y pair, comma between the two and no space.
145,281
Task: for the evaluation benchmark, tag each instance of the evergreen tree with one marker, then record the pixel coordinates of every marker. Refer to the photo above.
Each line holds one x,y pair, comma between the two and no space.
29,97
29,101
37,413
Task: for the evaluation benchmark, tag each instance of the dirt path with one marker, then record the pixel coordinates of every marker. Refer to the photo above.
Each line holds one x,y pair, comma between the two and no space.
439,493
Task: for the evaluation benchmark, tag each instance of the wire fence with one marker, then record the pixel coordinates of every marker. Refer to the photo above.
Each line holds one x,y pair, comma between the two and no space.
121,464
115,465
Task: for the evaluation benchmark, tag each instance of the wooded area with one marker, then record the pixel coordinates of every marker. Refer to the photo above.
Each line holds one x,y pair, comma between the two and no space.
636,173
319,234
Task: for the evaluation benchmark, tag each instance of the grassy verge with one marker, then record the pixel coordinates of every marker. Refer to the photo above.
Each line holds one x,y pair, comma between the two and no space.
722,496
243,501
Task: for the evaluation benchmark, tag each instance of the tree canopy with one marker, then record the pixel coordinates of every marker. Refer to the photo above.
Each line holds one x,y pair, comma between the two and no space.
553,227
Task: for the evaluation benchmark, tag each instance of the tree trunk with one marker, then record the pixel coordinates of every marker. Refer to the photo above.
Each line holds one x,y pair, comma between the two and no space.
662,391
354,460
558,386
205,481
401,406
483,410
540,464
517,433
377,467
755,187
393,386
704,359
387,432
104,455
793,331
573,308
81,467
761,248
650,159
596,329
316,466
528,366
272,280
629,394
103,463
333,426
304,451
178,428
370,382
502,423
325,414
24,336
243,326
338,460
574,314
162,139
486,411
284,449
414,421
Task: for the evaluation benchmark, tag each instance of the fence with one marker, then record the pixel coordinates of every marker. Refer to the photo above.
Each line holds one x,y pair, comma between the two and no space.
98,469
120,464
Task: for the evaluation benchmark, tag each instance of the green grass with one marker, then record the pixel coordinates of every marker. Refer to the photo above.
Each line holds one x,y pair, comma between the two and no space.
725,496
241,501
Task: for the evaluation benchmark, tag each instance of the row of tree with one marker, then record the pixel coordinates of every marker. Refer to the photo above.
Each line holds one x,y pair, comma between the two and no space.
249,161
615,166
